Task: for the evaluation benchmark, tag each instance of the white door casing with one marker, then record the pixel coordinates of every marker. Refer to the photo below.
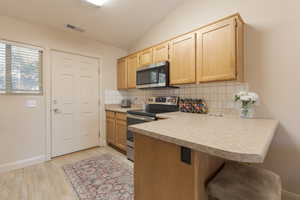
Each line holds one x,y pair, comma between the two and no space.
75,103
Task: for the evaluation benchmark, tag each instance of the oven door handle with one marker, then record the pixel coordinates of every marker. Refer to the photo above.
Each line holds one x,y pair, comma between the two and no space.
147,119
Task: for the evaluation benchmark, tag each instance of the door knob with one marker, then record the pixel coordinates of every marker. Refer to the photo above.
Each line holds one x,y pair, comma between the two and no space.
56,110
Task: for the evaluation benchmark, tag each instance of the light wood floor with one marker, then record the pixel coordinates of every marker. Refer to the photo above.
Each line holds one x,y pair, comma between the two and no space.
46,181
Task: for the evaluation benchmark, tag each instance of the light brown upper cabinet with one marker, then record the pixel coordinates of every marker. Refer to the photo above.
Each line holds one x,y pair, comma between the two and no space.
183,59
132,65
122,74
213,52
220,51
145,57
161,52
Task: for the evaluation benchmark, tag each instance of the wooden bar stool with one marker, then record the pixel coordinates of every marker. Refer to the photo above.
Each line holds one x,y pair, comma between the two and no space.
242,182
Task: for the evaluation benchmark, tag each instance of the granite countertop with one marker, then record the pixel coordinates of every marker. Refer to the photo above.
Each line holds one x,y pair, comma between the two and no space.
117,108
231,138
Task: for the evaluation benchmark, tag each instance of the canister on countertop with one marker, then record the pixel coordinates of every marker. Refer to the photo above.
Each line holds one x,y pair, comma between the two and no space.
193,106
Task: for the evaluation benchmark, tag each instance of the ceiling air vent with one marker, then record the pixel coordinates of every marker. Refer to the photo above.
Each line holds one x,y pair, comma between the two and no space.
75,28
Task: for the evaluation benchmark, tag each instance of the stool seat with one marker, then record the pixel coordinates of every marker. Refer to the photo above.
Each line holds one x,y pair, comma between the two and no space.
242,182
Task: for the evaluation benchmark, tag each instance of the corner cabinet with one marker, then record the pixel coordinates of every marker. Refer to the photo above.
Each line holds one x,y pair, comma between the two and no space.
122,74
220,51
116,129
132,65
183,59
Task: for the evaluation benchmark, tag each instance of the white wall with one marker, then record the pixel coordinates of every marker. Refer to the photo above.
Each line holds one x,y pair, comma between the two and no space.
23,130
271,60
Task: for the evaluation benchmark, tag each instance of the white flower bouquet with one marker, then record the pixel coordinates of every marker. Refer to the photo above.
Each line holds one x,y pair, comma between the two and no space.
247,99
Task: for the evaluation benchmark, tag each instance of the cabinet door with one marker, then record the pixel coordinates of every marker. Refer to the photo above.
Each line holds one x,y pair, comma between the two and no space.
145,57
216,47
121,116
132,65
122,74
161,53
167,177
183,60
121,134
110,130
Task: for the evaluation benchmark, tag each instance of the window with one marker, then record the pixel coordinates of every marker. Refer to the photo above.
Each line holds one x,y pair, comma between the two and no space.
20,69
2,67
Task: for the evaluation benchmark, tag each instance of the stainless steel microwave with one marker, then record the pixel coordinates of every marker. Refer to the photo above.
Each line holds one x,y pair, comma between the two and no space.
153,76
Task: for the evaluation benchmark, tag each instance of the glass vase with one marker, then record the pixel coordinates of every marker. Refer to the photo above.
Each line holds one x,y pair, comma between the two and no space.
246,111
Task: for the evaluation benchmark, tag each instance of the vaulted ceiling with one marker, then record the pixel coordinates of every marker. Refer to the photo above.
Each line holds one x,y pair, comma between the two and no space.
117,22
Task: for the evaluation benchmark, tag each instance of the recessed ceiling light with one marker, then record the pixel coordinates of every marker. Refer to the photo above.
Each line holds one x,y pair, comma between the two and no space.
97,2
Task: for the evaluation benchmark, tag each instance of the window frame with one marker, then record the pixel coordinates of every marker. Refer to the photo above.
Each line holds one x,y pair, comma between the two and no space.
8,71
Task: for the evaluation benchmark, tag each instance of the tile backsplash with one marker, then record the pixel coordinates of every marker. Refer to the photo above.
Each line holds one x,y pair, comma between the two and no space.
219,96
114,96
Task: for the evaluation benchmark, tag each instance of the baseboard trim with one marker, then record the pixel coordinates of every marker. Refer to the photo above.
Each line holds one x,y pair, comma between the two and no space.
286,195
22,163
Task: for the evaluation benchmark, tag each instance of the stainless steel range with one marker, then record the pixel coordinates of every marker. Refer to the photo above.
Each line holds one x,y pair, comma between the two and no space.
155,105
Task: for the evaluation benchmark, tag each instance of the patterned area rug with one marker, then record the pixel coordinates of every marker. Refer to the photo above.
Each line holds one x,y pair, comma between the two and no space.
101,178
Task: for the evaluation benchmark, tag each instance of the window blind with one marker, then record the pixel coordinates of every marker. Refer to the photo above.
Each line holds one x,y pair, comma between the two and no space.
2,67
20,69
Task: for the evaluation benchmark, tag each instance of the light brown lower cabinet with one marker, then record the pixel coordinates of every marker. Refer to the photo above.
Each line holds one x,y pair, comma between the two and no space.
110,130
160,174
116,129
121,132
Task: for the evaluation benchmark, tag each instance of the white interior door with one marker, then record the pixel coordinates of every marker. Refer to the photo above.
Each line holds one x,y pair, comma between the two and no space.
75,107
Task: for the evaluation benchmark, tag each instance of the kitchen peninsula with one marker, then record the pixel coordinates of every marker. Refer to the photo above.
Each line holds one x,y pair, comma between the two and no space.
176,156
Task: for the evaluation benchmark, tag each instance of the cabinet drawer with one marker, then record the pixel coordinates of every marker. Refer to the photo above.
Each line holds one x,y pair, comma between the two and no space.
121,116
110,114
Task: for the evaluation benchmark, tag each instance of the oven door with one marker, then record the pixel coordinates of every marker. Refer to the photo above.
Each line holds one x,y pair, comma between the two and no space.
135,119
153,76
131,120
